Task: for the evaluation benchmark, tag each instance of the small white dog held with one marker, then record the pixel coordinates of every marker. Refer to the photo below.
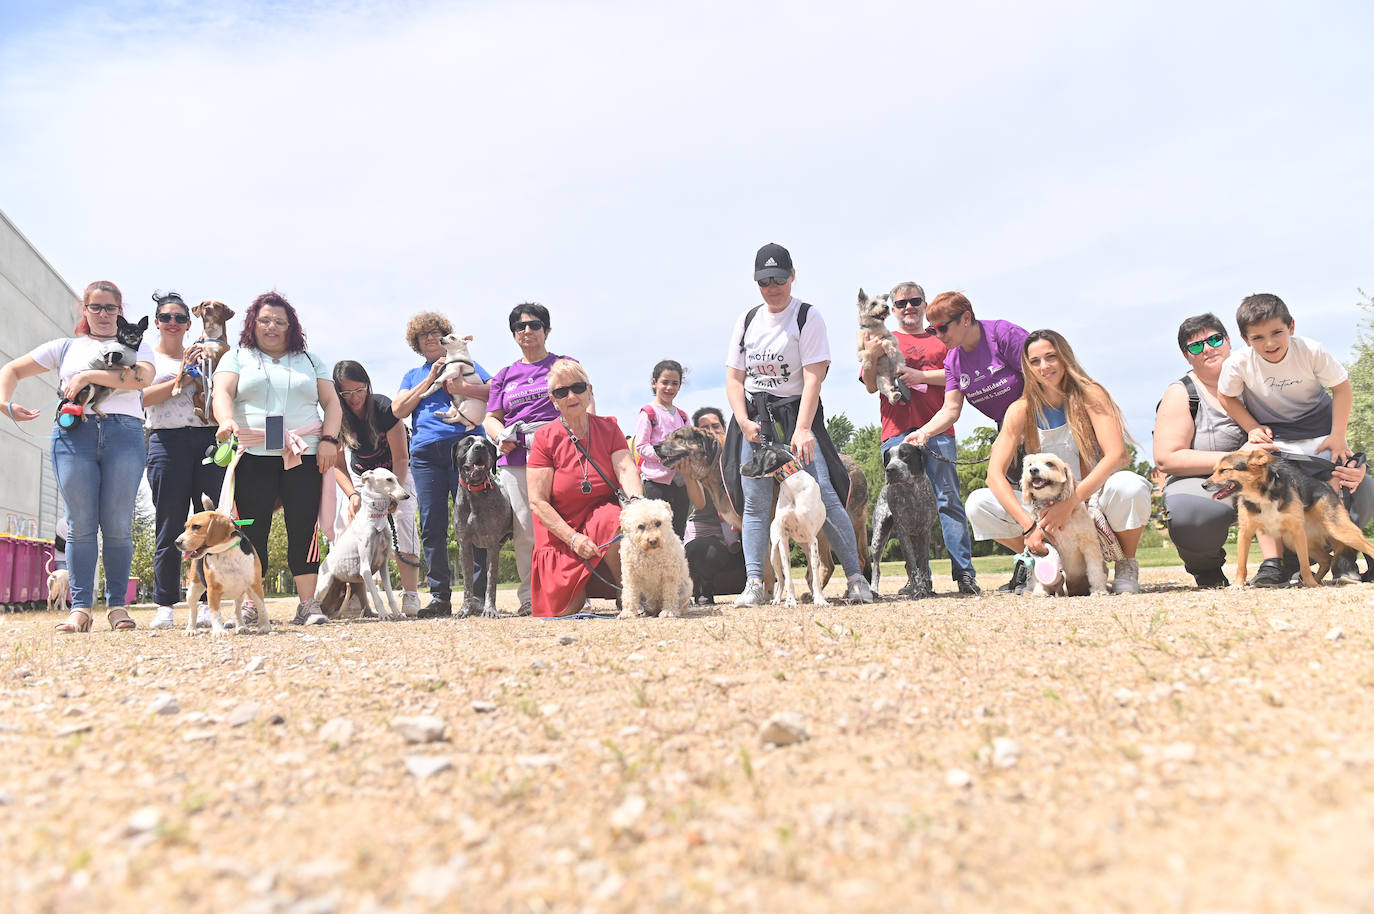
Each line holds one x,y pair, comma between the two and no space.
1045,481
458,365
653,563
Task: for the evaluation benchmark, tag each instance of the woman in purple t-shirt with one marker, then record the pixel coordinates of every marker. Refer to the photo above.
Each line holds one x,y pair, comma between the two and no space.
519,404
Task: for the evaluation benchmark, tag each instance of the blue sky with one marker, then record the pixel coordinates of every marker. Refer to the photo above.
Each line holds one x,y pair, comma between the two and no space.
1102,169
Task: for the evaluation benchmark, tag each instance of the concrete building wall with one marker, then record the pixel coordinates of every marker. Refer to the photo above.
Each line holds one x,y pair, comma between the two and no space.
36,305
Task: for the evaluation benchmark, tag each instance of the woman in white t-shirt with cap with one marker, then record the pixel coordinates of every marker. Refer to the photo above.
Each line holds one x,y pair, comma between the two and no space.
98,460
779,355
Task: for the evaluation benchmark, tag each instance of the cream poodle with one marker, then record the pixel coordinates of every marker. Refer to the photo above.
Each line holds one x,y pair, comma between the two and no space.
653,564
1046,480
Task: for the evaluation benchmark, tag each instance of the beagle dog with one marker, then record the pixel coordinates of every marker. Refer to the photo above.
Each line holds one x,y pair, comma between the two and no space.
223,564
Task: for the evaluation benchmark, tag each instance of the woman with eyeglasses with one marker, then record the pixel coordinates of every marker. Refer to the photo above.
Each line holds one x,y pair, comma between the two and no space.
576,464
98,461
431,454
519,406
1193,432
177,441
1064,412
778,357
278,400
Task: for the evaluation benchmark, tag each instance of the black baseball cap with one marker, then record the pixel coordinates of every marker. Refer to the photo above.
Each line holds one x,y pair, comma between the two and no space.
772,262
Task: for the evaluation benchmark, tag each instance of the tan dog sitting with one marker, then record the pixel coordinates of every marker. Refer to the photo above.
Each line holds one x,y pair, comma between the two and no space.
59,590
1045,481
653,563
214,318
223,564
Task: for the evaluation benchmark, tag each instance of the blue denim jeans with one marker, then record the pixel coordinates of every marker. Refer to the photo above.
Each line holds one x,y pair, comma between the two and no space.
178,479
98,464
436,486
953,521
758,499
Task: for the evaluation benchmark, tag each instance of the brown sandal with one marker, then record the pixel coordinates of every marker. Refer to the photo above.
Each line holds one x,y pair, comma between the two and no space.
79,620
119,620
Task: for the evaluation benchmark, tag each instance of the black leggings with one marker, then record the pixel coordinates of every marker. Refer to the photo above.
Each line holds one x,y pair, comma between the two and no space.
676,497
261,482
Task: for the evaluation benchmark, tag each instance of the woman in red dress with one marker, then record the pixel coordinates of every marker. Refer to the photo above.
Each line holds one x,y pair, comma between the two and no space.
576,512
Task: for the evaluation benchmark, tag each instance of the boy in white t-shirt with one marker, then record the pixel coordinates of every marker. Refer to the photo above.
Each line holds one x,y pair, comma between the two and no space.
1276,390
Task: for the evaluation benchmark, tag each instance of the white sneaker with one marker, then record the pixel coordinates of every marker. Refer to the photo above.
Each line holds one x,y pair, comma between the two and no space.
163,619
857,590
1127,578
753,593
410,605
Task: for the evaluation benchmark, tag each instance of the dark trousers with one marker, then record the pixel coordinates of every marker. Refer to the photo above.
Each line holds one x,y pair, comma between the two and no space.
178,480
676,497
436,486
259,483
716,568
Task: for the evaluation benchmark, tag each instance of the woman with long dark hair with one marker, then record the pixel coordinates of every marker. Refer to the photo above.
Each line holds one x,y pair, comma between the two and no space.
98,460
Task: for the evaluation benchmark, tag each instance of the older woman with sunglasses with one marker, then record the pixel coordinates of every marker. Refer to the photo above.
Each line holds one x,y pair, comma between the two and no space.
177,441
519,405
431,454
1192,432
98,460
578,464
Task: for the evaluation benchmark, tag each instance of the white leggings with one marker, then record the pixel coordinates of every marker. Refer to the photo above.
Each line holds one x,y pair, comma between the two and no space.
1124,501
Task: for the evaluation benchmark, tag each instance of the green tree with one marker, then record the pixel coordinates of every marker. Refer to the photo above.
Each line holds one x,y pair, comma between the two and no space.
840,429
1360,432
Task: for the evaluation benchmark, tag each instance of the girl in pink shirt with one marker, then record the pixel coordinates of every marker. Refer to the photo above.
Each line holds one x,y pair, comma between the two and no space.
655,422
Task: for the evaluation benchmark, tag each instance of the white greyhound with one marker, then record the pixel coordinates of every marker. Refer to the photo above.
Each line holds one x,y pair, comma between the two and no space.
365,546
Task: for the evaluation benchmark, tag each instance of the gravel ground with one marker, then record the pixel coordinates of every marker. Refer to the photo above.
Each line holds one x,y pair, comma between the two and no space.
1172,751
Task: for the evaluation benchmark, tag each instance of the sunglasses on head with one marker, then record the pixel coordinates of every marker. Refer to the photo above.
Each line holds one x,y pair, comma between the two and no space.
941,328
1215,340
578,388
526,325
909,302
775,281
167,317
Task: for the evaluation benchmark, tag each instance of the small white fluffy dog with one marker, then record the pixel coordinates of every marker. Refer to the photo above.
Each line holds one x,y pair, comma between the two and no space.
458,364
59,590
653,564
1046,480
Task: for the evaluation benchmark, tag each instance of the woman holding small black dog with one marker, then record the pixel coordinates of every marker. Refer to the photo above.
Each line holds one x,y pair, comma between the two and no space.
578,468
98,461
177,441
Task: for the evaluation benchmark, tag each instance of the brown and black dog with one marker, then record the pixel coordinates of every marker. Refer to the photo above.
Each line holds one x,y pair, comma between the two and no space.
214,318
1278,498
223,564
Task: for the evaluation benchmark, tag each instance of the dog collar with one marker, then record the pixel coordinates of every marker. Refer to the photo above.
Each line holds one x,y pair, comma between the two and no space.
238,537
789,468
489,484
206,339
385,511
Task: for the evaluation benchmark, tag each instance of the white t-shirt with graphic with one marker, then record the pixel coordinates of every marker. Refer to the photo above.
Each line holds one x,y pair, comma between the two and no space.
81,354
775,352
175,411
1282,391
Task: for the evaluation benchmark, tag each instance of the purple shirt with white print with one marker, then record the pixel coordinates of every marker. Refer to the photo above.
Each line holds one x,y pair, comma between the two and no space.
990,376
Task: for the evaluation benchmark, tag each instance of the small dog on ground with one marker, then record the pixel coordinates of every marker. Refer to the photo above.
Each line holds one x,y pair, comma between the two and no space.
458,365
223,564
365,546
799,516
59,590
120,352
653,564
908,507
482,519
1281,500
214,318
873,314
1046,480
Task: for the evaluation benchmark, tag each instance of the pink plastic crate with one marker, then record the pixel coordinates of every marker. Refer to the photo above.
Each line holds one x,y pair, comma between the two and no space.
28,579
8,548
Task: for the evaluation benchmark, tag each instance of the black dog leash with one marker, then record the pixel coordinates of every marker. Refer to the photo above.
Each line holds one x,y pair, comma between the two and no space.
391,522
930,452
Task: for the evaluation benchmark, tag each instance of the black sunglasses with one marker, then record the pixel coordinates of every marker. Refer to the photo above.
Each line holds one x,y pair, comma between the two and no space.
167,317
775,281
526,325
941,328
578,388
909,302
1215,340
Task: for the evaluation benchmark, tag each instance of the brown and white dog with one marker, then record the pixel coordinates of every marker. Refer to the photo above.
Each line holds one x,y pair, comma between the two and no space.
1045,481
214,318
223,564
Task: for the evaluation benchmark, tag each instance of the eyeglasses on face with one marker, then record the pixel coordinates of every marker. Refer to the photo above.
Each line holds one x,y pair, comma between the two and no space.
905,303
579,388
775,281
526,325
940,329
1215,340
267,323
355,392
103,309
166,317
434,333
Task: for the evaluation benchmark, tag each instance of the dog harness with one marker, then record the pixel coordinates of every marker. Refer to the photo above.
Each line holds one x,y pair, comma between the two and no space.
790,468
